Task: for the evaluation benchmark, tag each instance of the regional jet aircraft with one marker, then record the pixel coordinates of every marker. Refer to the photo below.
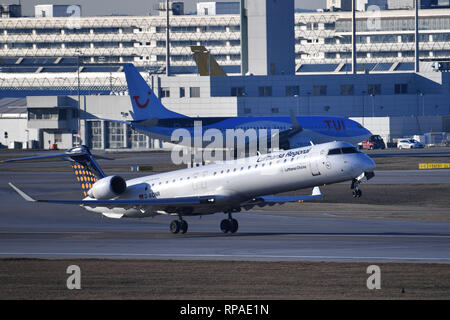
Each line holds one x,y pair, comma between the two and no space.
226,187
151,117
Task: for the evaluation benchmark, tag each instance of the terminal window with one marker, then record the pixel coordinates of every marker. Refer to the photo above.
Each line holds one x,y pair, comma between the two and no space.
194,92
116,135
374,89
138,140
346,90
265,91
95,134
165,93
292,91
43,114
401,88
320,90
58,137
237,91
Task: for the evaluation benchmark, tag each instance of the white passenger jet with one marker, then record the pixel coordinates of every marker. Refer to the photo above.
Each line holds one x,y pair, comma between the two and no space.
226,187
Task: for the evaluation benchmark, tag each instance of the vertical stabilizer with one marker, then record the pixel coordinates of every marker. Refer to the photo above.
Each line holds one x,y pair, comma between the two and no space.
146,104
207,65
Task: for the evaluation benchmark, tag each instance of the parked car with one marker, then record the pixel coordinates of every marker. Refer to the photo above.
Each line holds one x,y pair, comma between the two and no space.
409,144
374,142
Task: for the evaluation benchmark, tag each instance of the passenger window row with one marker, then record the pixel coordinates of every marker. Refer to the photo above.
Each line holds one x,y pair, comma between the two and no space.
227,171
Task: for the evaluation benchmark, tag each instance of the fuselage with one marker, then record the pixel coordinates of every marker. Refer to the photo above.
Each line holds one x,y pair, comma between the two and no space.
318,129
236,181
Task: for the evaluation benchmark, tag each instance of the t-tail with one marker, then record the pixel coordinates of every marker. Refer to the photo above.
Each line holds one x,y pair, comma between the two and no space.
144,101
87,170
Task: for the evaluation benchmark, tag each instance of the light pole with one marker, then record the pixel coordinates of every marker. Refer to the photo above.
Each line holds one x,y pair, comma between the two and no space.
363,107
167,39
423,103
373,104
297,98
309,102
78,52
28,138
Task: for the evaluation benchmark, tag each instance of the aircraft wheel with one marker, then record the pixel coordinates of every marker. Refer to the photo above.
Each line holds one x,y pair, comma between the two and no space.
359,193
183,226
175,227
225,226
234,225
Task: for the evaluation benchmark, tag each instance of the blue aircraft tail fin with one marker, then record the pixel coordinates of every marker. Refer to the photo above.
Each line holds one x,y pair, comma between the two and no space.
145,103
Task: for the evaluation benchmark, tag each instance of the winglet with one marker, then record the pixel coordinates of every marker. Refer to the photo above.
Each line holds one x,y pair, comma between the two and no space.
295,124
21,193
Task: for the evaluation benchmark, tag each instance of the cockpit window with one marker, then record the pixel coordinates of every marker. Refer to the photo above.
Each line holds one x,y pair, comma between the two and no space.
349,150
346,150
334,151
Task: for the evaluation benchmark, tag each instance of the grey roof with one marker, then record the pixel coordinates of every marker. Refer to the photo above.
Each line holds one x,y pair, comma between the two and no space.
13,105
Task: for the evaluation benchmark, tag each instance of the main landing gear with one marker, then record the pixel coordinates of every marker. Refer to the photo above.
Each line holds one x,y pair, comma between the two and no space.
177,226
357,193
229,225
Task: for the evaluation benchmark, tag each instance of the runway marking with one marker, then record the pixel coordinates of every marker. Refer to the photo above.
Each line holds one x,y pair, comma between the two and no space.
51,232
183,255
276,234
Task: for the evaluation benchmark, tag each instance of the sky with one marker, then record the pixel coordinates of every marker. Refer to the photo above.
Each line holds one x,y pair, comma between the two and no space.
131,7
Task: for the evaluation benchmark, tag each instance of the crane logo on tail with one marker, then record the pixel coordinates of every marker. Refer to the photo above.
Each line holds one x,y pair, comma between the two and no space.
141,106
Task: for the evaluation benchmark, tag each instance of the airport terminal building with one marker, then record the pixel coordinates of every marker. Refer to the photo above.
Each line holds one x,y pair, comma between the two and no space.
47,60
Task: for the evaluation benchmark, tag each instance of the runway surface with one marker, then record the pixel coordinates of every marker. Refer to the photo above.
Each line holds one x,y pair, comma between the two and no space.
425,152
56,231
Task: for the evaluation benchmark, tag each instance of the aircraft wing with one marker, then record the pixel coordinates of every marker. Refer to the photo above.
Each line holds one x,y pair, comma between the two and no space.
181,201
151,122
316,193
127,122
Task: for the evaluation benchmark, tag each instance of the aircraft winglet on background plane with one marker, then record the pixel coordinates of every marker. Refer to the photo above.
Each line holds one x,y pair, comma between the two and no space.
227,187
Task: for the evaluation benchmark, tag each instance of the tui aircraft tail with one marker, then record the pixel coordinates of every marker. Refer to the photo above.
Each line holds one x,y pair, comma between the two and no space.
86,169
145,103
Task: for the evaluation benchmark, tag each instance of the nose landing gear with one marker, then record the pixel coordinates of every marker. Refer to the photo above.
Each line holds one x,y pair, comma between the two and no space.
356,193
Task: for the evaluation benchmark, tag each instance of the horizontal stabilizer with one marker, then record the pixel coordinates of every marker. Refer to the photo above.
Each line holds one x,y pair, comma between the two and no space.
118,203
74,152
21,193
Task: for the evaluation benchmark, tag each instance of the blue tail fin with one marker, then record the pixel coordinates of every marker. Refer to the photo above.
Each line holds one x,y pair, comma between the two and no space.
145,103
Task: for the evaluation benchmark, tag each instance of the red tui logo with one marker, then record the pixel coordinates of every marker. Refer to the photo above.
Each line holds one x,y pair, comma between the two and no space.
338,124
142,106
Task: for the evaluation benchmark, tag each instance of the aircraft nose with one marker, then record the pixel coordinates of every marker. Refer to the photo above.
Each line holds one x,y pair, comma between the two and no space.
368,164
367,133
